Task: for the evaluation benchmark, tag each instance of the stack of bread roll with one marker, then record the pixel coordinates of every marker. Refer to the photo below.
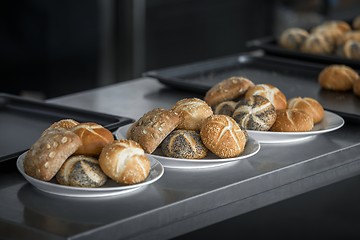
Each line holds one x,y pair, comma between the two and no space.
339,77
85,155
189,130
264,107
332,37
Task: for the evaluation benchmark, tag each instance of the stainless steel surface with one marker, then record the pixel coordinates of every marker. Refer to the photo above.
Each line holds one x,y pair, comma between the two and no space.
182,200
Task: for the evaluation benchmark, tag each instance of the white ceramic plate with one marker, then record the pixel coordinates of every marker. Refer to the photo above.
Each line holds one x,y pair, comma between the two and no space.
110,188
211,160
330,123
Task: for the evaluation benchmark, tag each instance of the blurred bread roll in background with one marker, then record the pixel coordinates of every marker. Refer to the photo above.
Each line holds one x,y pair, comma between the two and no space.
292,38
337,77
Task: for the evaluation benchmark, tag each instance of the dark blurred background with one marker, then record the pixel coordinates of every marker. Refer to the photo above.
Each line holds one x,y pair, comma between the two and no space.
53,48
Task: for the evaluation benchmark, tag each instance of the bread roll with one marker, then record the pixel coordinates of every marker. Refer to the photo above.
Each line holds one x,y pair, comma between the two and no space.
225,108
292,38
223,136
63,123
192,112
351,35
356,87
350,49
272,93
152,128
228,89
255,113
125,162
49,152
308,105
81,171
337,77
292,120
332,24
317,43
184,144
93,136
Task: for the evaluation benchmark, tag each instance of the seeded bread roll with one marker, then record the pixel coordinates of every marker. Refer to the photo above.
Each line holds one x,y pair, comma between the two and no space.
125,162
93,136
49,152
255,113
337,77
228,89
192,112
317,43
81,171
272,93
152,128
292,120
292,38
223,136
225,108
308,105
184,144
63,123
356,87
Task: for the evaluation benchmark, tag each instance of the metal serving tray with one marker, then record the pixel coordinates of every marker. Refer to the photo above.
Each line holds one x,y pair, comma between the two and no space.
23,120
294,78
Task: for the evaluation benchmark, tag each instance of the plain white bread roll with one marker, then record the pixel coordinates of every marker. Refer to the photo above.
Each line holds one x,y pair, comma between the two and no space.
125,162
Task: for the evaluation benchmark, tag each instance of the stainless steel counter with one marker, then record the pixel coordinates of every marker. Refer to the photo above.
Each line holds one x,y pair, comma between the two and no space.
182,200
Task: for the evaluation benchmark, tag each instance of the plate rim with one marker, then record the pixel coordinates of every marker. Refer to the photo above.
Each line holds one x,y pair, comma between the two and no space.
85,191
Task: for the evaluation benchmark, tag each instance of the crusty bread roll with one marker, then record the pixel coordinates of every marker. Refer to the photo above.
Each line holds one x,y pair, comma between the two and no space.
49,152
292,120
255,113
272,93
223,136
356,87
337,77
308,105
67,123
81,171
125,162
351,35
331,24
350,49
225,108
333,34
152,128
228,89
184,144
317,43
192,112
93,136
292,38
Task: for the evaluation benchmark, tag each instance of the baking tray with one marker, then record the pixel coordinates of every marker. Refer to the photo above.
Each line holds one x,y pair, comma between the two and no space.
271,47
23,120
293,77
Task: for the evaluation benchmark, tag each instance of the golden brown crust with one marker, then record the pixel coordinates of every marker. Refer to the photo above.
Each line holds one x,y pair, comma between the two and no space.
308,105
81,171
228,89
292,120
192,112
93,136
223,136
125,162
317,43
350,49
293,38
337,77
272,93
49,152
184,144
333,24
255,113
351,35
152,128
67,123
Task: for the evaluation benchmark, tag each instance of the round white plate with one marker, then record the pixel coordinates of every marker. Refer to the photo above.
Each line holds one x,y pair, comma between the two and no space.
211,160
110,188
330,123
